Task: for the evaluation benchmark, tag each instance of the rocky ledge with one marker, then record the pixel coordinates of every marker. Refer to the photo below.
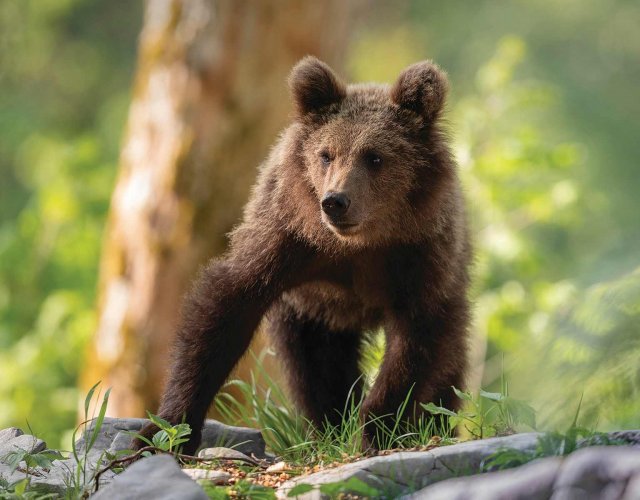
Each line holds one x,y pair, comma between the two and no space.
448,472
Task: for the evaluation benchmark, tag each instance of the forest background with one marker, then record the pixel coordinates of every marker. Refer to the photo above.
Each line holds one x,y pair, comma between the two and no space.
544,118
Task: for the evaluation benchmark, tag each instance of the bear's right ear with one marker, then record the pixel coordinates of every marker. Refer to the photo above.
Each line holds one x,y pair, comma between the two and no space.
422,88
314,85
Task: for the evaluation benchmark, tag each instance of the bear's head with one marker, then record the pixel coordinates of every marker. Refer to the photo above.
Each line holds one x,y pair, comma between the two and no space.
373,154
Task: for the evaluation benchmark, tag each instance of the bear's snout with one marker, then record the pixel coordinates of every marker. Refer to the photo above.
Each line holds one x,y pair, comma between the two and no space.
335,205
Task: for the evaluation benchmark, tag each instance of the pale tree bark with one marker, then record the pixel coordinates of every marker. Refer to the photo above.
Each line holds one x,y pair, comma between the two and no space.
209,98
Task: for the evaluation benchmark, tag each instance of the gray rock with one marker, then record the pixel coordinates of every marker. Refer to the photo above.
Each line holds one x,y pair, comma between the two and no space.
630,437
227,453
213,476
633,488
245,440
114,436
55,480
22,441
590,474
598,473
153,478
9,433
401,472
533,481
121,442
111,428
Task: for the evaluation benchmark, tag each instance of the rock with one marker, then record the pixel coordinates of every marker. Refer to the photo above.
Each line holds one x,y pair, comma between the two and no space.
52,481
399,472
121,442
114,436
629,437
113,430
153,478
278,467
9,433
406,471
22,441
214,476
245,440
590,474
599,472
224,453
533,481
58,479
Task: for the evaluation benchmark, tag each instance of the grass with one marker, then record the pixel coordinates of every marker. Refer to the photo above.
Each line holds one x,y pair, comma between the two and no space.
295,439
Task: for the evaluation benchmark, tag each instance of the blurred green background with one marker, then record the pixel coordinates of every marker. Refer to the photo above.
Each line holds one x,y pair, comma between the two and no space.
544,117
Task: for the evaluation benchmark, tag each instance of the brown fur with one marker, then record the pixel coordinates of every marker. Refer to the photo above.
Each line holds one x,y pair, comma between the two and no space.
403,266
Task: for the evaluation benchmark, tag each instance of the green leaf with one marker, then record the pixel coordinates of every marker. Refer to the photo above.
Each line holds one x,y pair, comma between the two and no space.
160,422
13,458
45,458
179,441
299,489
358,486
493,396
575,418
161,440
21,486
331,489
466,396
97,423
351,485
438,410
137,435
215,492
182,430
88,398
506,458
520,412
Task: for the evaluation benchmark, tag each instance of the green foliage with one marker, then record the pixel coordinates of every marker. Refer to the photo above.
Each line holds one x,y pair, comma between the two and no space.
600,328
297,440
550,444
242,489
351,486
270,410
64,87
488,414
42,459
34,463
168,438
81,481
20,490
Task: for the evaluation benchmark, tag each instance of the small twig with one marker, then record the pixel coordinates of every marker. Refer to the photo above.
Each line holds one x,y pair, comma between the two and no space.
181,456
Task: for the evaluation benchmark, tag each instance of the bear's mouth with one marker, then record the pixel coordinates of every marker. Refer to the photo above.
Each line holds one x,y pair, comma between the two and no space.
344,228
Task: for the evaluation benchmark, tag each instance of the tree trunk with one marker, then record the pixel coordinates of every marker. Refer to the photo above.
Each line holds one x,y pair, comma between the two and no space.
209,98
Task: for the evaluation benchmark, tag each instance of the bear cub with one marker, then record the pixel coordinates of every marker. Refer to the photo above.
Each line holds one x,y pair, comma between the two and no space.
356,222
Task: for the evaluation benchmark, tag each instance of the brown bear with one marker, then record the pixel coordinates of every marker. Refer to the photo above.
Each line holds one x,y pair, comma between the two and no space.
356,222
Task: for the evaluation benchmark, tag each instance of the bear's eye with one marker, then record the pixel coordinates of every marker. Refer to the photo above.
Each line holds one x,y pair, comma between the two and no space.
373,159
325,158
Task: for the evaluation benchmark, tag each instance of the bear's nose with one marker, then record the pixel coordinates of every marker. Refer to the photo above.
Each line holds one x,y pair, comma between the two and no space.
335,205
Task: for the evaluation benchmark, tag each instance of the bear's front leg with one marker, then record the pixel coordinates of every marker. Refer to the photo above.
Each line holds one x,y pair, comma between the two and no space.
219,318
426,354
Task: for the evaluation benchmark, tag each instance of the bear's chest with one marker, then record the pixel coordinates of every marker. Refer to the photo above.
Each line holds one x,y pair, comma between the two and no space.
344,294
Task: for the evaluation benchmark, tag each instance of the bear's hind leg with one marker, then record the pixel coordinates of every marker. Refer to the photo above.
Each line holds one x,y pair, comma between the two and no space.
321,363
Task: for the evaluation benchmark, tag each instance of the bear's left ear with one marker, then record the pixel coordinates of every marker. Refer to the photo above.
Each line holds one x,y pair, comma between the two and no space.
314,85
422,88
